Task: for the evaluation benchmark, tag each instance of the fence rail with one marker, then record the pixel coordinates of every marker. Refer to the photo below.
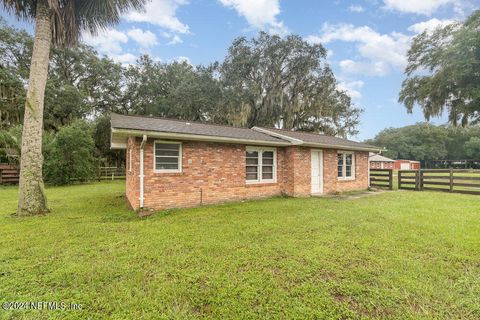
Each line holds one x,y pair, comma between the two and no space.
110,173
9,174
381,178
465,181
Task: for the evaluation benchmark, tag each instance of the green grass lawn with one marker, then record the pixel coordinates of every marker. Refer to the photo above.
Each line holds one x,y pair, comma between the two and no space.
404,255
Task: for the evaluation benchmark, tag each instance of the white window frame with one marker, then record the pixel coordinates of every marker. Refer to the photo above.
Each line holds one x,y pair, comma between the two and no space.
344,166
260,151
180,154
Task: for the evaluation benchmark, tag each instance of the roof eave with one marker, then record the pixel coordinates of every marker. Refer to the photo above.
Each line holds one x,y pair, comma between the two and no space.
339,147
120,132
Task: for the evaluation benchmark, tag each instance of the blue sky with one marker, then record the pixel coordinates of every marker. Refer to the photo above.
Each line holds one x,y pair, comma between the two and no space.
366,40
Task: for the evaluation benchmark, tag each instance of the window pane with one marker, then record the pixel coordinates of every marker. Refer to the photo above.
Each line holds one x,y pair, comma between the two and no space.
167,146
251,176
267,154
252,161
267,169
172,153
169,166
348,171
340,159
167,159
267,161
267,175
251,169
348,159
252,154
340,171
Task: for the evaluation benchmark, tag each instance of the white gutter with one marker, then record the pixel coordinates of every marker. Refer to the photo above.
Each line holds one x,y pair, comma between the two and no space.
141,169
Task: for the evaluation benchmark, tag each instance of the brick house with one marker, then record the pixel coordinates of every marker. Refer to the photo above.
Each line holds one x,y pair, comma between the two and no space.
173,163
377,161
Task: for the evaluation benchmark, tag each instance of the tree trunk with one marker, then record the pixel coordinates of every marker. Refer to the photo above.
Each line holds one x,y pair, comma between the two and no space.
31,196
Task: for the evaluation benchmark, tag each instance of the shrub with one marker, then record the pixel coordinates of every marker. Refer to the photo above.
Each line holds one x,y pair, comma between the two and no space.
69,156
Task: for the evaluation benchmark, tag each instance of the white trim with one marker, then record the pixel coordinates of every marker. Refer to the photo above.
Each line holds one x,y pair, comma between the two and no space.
142,175
260,151
321,171
343,177
180,153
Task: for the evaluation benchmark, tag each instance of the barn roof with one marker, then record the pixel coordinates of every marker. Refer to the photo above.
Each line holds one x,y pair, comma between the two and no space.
379,158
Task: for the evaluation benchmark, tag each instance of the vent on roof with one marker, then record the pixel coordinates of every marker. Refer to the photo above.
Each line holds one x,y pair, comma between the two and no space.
188,123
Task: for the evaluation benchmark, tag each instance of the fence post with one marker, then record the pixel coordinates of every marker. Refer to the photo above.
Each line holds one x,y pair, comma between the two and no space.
420,180
390,179
451,179
0,176
417,180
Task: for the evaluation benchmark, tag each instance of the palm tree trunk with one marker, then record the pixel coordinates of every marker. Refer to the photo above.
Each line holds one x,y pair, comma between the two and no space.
31,197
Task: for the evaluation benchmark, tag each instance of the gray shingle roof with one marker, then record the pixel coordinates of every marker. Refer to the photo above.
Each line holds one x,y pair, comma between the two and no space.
380,158
187,127
272,136
316,138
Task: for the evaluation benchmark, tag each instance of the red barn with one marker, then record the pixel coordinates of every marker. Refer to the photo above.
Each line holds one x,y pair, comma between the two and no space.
378,161
407,165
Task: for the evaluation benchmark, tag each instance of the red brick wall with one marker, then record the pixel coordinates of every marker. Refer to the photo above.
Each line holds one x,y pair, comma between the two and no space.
332,184
297,171
215,172
211,172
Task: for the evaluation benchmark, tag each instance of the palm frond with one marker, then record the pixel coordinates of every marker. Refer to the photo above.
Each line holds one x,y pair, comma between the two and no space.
71,17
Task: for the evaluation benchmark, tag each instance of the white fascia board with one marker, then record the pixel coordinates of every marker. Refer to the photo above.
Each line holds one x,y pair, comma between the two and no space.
339,147
194,137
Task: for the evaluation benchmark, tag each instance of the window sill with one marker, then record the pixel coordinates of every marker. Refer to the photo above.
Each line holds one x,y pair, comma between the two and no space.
346,179
259,183
167,171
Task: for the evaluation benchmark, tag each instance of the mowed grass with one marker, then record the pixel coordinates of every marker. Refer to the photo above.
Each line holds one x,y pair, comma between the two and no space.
394,255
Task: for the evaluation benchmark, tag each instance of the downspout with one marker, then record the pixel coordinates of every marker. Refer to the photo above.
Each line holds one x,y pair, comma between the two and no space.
141,169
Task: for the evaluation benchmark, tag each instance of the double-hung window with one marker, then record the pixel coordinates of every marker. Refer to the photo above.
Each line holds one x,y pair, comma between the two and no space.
261,165
346,165
168,156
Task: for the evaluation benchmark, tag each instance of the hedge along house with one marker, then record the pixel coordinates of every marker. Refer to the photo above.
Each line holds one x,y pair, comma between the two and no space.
173,163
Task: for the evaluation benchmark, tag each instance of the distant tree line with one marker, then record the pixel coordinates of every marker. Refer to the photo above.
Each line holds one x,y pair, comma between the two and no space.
424,141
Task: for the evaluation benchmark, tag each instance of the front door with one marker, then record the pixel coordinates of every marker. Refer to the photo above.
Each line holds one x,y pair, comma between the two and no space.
317,171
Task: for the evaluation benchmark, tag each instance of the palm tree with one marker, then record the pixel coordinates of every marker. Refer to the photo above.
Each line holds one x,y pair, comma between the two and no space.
57,22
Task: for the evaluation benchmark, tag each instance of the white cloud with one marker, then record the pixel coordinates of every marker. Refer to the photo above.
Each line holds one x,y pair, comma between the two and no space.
125,59
380,52
260,14
161,13
371,68
425,7
106,42
429,25
109,42
352,88
174,40
145,39
356,8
